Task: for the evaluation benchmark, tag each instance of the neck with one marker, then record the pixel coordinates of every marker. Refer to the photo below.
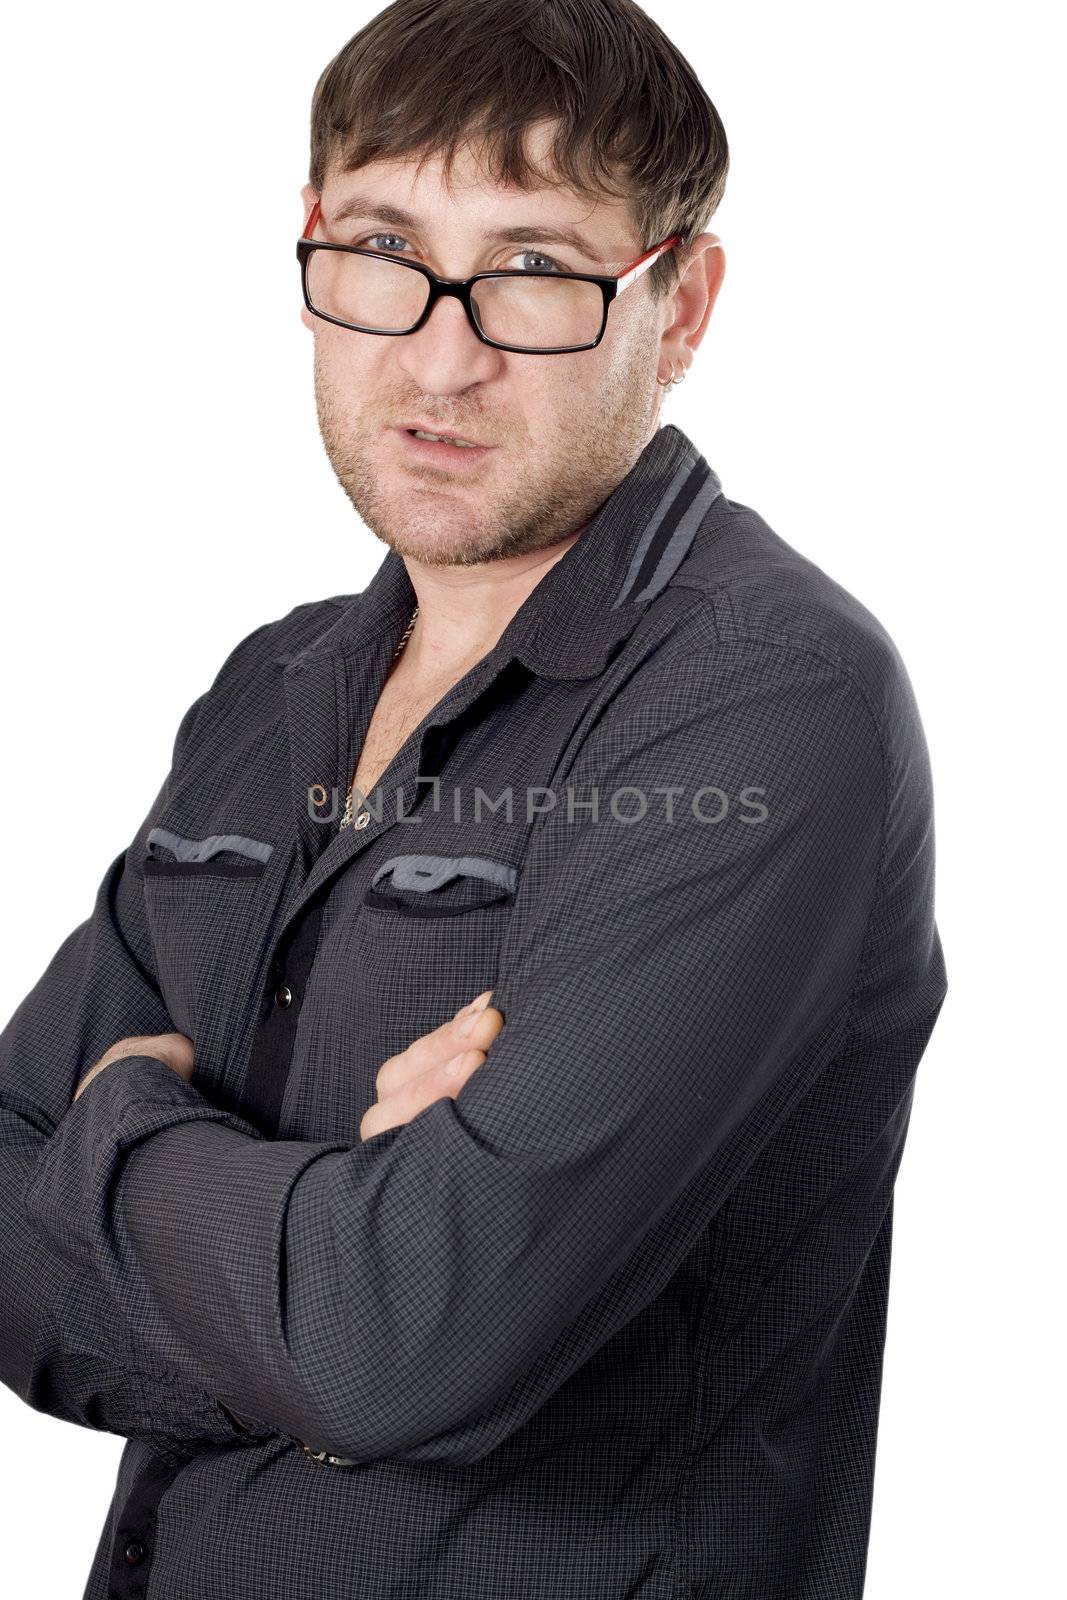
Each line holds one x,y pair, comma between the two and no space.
464,610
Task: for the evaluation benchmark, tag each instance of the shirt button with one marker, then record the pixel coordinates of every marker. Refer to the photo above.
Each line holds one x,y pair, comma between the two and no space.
284,995
362,820
134,1552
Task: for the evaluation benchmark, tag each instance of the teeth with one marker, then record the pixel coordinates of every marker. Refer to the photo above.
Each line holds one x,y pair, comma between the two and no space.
437,439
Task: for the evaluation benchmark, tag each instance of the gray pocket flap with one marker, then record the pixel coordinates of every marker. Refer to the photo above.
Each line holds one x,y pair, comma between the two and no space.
423,872
441,886
204,849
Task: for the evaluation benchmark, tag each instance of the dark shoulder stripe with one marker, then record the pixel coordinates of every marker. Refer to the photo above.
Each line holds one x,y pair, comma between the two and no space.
677,547
655,522
671,530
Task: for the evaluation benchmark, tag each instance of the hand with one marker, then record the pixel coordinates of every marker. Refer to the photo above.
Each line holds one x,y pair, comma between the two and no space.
175,1050
434,1065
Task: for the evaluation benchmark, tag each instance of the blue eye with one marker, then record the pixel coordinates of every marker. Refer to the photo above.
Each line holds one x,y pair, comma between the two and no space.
543,262
372,237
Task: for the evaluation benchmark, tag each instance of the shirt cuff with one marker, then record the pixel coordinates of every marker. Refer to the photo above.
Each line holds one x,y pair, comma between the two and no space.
71,1190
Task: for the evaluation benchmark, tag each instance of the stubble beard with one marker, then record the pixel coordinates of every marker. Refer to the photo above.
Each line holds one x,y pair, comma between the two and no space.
525,506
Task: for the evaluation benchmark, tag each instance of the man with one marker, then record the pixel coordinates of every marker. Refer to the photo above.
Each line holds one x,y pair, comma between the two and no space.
393,1291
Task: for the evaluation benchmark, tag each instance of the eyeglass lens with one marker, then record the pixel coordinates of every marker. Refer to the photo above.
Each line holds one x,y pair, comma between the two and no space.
379,296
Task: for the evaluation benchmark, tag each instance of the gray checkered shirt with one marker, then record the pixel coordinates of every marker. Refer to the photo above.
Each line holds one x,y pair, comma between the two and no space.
610,1322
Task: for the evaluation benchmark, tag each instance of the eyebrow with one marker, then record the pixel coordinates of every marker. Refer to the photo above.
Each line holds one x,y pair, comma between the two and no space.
361,205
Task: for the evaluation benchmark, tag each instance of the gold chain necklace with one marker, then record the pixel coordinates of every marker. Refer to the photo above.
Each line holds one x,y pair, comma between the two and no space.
346,820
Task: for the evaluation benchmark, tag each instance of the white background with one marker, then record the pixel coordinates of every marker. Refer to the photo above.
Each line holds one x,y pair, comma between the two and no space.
881,379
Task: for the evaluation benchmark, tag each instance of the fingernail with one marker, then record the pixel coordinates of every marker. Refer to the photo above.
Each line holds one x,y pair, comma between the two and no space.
468,1023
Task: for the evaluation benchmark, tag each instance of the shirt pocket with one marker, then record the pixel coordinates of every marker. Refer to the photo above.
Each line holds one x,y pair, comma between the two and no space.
426,940
205,911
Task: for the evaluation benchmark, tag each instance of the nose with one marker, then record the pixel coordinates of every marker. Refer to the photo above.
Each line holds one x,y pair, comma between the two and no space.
446,353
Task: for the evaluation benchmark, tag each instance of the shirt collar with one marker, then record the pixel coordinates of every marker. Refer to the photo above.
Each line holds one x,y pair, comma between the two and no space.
594,595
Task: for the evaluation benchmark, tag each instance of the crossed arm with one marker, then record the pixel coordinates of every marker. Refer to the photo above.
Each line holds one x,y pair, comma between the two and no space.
669,992
65,1347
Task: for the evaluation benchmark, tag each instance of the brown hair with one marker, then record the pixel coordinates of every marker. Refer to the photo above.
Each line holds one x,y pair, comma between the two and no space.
425,76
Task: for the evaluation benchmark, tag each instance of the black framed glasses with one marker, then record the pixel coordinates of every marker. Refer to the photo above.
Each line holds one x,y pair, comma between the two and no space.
531,313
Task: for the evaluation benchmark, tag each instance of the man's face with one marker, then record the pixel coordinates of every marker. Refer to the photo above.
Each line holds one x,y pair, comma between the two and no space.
565,428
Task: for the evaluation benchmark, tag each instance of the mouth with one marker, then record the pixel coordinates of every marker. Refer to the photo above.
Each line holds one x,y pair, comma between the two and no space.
447,449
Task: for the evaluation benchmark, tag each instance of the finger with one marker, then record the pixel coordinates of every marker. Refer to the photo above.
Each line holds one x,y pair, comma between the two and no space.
476,1004
436,1047
447,1078
432,1050
444,1077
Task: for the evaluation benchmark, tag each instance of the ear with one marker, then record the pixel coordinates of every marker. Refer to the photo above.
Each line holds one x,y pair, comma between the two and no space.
687,312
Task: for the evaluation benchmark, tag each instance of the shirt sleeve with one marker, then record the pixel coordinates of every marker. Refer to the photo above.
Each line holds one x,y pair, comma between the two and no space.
670,988
65,1347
